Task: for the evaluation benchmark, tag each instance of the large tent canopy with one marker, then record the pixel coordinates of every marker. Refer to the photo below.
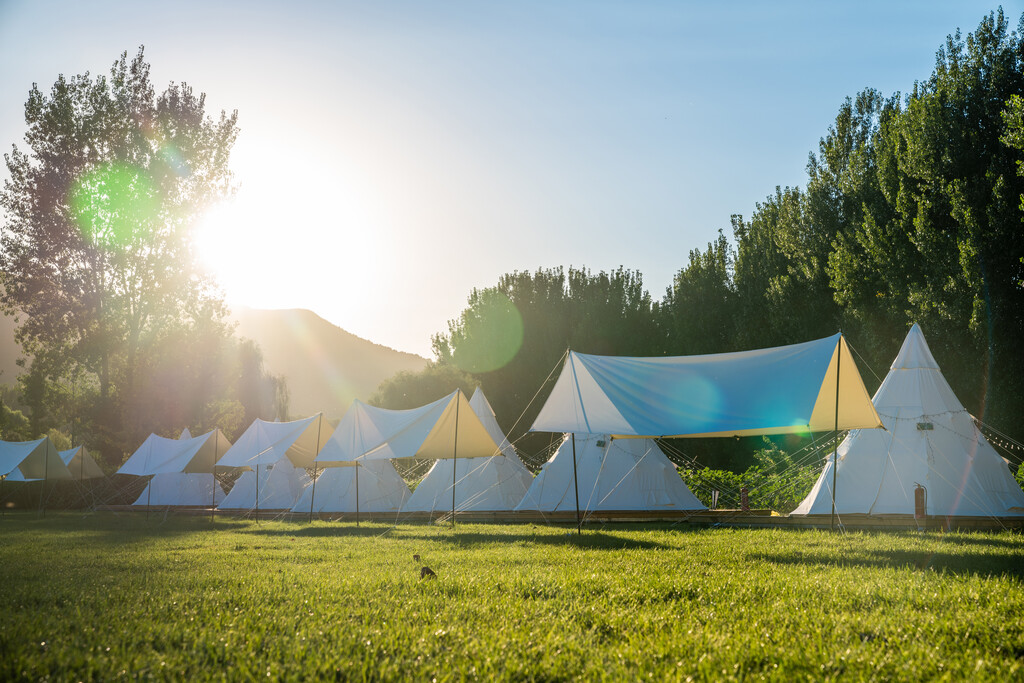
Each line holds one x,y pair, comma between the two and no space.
266,443
160,455
782,390
929,439
31,460
446,428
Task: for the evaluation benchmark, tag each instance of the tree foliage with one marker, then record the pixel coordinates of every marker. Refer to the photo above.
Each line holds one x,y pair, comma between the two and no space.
96,254
911,212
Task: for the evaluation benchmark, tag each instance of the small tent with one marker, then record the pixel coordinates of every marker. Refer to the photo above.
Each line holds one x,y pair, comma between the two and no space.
493,483
929,439
32,460
180,489
612,474
381,489
81,464
280,485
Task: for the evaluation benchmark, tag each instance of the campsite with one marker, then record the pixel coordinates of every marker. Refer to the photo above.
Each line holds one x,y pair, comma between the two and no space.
511,341
179,598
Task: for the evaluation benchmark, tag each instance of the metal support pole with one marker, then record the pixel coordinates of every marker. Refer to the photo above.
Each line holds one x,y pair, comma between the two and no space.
835,452
455,453
357,493
312,496
257,493
575,486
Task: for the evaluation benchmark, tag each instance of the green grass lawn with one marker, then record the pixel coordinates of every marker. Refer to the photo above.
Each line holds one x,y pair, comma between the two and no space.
101,597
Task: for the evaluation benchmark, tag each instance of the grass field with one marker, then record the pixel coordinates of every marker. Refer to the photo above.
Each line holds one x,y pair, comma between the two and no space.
102,597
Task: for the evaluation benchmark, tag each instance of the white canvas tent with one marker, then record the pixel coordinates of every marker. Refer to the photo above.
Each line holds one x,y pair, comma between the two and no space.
266,443
380,489
612,474
180,489
446,428
280,485
481,484
81,464
32,460
929,439
160,455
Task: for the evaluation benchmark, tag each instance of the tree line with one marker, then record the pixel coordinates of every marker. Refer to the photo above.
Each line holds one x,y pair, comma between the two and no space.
911,212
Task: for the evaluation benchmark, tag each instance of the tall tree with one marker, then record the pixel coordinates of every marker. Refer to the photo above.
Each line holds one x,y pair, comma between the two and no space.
96,252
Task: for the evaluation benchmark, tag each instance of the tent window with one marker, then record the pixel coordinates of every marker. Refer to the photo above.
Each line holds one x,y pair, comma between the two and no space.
925,426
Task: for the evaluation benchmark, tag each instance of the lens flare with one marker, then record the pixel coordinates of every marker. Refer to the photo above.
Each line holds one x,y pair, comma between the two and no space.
491,336
114,204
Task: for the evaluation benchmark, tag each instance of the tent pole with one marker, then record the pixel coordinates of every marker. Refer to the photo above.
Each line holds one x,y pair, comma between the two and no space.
575,486
257,493
312,497
216,454
835,452
3,501
149,495
455,452
357,493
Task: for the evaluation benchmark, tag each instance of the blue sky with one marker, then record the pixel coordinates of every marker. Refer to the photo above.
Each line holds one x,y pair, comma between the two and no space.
394,155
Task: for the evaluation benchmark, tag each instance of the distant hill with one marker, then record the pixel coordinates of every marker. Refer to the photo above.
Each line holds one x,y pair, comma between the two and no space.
325,366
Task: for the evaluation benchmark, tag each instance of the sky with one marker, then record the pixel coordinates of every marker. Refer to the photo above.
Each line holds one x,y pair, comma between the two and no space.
393,156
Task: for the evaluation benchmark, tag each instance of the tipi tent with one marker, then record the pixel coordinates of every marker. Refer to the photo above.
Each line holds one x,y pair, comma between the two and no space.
929,439
381,489
81,464
280,485
483,484
181,489
612,474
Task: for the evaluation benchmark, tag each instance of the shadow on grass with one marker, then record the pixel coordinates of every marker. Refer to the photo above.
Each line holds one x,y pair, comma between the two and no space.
951,559
503,534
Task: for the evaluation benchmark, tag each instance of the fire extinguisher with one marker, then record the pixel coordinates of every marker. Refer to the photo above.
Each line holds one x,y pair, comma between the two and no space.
920,501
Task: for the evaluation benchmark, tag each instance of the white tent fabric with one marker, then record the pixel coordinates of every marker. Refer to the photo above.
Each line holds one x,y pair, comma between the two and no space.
280,485
445,428
160,455
482,407
32,460
81,464
381,489
930,439
612,474
481,484
783,390
181,489
365,427
266,443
